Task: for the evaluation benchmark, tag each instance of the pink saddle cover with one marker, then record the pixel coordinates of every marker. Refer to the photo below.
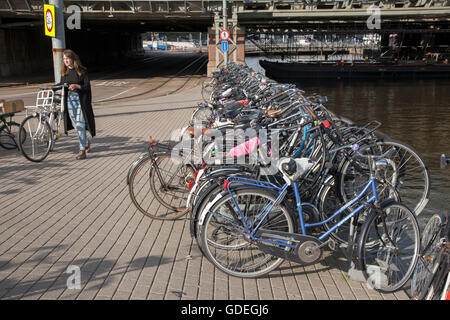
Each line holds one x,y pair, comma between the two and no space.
245,148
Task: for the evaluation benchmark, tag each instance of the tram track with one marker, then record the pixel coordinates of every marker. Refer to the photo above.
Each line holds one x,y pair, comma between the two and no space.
150,76
190,69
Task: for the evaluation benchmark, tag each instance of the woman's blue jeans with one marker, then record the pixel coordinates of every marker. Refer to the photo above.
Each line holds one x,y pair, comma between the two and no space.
76,116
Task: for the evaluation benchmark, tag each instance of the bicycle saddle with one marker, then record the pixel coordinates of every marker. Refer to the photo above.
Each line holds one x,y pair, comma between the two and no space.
197,131
294,169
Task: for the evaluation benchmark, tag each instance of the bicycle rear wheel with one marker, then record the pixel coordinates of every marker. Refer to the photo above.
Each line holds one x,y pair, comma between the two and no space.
35,138
388,247
9,136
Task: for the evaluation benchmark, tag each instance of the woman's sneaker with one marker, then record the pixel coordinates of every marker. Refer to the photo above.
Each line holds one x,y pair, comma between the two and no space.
81,155
88,146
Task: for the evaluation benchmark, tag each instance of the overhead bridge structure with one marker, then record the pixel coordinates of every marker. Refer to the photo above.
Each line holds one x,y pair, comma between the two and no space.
111,28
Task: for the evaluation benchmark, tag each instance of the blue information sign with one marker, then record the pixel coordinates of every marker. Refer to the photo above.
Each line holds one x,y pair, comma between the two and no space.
224,46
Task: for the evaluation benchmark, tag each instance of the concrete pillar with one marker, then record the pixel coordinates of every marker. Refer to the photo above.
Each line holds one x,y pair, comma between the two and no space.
237,56
211,50
239,53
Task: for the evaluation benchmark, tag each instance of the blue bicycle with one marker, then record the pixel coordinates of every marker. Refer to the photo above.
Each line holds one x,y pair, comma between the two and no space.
250,228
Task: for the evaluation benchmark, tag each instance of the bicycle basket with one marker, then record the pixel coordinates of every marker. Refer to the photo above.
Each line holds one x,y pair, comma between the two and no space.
44,99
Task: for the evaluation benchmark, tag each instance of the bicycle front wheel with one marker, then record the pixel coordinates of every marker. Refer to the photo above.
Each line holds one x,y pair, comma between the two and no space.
425,269
404,175
142,194
9,136
207,88
35,138
201,114
169,182
388,247
223,239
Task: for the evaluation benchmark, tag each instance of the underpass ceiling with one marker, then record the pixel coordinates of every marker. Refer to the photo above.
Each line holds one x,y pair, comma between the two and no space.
198,15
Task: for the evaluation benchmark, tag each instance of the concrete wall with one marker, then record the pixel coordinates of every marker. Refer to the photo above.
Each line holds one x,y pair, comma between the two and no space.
28,51
97,48
24,51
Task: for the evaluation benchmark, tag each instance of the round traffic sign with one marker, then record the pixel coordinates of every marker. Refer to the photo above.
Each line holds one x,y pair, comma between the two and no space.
224,35
49,20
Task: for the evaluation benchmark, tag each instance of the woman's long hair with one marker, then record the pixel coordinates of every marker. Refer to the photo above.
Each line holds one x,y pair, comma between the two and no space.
76,63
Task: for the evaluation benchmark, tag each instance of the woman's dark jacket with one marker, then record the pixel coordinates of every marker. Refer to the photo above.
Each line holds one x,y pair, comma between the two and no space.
85,100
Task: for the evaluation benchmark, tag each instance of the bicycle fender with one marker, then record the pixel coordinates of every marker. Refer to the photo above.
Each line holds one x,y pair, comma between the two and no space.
193,191
387,202
202,215
225,172
208,207
195,210
135,163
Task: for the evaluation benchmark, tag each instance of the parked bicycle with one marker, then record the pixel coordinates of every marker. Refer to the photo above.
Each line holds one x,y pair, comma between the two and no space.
9,132
247,219
40,129
248,230
158,173
431,275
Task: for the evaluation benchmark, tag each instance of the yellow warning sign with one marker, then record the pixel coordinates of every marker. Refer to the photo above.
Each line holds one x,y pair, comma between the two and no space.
49,20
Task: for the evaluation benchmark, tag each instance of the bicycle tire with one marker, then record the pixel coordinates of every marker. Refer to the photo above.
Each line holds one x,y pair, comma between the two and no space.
177,200
394,225
228,249
141,194
206,197
7,141
412,187
201,114
424,271
207,88
329,202
439,279
41,134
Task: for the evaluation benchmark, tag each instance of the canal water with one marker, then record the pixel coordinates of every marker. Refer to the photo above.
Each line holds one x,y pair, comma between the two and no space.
414,111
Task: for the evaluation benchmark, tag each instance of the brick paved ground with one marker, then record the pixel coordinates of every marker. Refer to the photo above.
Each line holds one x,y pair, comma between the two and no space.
63,212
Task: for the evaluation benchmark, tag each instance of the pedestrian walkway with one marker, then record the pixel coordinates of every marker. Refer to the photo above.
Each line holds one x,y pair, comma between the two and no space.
63,215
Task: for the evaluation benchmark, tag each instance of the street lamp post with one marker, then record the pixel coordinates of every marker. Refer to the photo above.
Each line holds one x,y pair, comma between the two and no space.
59,41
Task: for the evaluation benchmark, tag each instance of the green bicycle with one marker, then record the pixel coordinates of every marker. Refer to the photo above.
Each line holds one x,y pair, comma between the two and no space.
9,132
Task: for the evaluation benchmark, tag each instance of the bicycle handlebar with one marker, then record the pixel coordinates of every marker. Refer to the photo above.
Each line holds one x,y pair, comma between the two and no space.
55,87
355,148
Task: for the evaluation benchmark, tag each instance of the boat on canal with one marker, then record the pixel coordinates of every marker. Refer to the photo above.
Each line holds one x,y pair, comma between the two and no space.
353,69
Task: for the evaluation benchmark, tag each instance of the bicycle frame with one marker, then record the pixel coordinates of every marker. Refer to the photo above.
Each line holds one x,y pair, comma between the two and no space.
251,230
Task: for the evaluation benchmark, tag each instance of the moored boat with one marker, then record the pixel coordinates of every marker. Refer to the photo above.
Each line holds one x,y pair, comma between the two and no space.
339,70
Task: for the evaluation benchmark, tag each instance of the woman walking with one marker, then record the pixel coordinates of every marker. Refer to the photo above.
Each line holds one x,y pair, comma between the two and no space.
79,101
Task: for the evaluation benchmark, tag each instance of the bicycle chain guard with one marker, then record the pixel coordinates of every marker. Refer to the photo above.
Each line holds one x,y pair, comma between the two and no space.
306,252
